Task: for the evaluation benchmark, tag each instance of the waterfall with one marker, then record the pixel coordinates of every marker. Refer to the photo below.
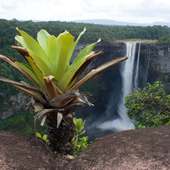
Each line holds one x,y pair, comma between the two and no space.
129,76
136,78
129,81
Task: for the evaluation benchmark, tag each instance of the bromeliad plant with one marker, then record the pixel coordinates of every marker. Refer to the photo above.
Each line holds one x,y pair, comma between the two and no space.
55,80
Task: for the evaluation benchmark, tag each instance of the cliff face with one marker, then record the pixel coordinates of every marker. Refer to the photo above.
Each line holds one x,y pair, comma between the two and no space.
154,60
154,64
158,56
105,88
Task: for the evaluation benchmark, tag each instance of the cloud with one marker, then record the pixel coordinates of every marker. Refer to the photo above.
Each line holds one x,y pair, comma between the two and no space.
129,10
132,10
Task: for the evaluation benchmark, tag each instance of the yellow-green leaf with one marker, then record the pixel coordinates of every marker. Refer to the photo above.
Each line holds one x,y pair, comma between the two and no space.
65,43
77,63
28,70
35,50
42,38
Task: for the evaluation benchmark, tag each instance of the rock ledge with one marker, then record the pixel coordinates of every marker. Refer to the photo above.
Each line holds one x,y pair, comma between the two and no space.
142,149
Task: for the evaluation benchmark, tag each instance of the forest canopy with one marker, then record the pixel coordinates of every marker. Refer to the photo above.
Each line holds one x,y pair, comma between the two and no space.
106,33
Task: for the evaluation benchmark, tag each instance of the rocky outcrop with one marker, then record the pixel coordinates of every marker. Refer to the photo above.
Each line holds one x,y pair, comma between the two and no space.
157,57
143,149
154,64
19,153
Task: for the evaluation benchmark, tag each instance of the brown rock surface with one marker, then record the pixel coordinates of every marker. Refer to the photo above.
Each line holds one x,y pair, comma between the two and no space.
143,149
19,153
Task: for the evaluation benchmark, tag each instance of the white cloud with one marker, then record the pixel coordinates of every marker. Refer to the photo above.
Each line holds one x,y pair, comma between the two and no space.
129,10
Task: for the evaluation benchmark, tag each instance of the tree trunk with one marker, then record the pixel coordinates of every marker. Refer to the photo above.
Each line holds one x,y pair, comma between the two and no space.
60,138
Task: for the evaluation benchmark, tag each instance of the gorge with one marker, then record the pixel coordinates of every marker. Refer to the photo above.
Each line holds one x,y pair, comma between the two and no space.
143,65
147,62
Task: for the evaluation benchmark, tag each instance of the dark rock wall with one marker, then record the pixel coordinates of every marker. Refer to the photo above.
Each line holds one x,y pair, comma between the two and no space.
106,87
159,64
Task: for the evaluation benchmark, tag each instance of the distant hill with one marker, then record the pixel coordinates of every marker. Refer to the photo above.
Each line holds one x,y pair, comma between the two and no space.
105,22
162,23
119,23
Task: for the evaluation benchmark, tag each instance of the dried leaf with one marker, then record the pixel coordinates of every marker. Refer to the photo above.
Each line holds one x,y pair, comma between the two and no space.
59,119
51,88
96,71
21,50
42,113
43,120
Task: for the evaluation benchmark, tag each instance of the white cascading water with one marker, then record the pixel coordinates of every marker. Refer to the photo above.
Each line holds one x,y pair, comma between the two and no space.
129,74
137,68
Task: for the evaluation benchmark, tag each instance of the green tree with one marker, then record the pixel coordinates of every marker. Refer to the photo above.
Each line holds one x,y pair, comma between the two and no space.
164,39
150,106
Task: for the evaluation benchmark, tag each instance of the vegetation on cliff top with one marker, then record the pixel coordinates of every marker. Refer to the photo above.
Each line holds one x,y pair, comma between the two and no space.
150,106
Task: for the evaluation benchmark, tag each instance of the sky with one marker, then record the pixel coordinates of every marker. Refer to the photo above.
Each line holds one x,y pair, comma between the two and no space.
136,11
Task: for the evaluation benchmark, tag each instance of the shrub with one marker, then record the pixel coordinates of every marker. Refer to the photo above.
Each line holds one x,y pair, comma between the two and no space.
150,106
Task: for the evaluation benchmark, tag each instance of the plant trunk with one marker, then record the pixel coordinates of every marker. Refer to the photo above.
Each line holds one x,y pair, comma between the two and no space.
60,138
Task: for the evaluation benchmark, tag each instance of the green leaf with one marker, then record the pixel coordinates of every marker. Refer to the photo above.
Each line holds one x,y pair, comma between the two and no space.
38,135
65,43
26,68
53,53
77,63
36,70
79,124
37,53
42,38
20,67
45,138
75,43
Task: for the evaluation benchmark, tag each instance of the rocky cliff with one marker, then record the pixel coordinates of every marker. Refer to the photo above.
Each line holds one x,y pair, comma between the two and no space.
158,59
154,64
